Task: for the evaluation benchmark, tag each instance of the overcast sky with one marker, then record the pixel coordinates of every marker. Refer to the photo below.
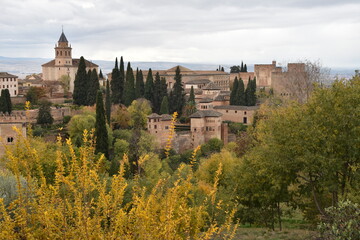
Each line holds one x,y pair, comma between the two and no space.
196,31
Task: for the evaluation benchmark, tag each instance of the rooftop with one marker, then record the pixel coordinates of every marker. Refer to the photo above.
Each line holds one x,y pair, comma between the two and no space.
5,74
75,63
211,86
198,81
206,113
62,38
235,107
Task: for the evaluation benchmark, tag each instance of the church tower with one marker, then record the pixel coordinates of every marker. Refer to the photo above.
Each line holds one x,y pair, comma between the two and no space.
63,52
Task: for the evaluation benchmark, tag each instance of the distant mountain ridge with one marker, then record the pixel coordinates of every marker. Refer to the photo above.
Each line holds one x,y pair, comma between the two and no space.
25,66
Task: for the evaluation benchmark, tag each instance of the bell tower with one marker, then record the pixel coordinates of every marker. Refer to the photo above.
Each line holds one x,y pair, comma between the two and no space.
63,52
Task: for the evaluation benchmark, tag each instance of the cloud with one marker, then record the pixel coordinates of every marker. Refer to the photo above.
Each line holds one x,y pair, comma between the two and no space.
213,31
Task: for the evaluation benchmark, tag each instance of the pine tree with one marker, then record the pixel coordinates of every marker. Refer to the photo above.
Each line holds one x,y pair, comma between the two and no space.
122,79
192,95
115,84
149,86
108,102
234,91
44,115
164,109
80,84
178,93
139,88
129,89
94,86
240,94
101,134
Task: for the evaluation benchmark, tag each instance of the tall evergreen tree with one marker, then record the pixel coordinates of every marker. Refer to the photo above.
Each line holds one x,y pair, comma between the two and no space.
234,91
163,87
242,67
245,68
240,94
149,86
101,134
44,115
5,101
178,93
250,93
122,79
157,96
192,95
129,89
171,102
94,86
101,76
80,84
222,69
139,86
115,84
108,102
164,109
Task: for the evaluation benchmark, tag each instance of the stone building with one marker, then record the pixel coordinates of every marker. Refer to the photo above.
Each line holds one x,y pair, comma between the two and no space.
205,125
9,81
64,64
158,125
220,79
8,136
238,114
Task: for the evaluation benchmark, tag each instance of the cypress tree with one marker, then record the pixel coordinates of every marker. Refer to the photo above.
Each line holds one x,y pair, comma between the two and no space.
129,89
163,87
250,93
101,134
139,88
171,102
80,84
178,93
245,68
5,101
108,102
122,80
240,94
242,67
164,109
101,75
192,95
157,97
94,86
222,69
44,115
234,91
149,86
115,84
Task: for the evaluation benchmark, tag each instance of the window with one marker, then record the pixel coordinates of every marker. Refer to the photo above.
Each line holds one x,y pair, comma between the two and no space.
227,111
10,139
166,127
57,53
155,127
194,129
244,112
14,92
245,120
235,111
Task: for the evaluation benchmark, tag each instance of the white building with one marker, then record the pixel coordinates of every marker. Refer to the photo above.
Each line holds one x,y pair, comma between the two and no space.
9,81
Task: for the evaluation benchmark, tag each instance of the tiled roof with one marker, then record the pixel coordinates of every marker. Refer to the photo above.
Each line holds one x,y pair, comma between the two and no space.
75,63
211,86
63,38
198,81
205,100
205,113
182,69
235,107
5,74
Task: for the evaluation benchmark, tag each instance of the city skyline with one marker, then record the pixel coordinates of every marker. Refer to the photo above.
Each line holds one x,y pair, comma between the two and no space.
187,31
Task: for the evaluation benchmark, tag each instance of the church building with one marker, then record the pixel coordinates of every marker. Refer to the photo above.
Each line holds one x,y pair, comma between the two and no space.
64,64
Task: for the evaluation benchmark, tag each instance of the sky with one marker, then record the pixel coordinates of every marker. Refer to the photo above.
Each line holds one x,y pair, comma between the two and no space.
193,31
